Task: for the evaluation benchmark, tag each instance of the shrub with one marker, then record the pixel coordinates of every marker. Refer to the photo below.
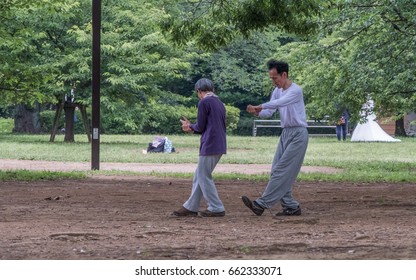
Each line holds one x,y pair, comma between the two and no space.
245,126
164,119
233,116
122,119
6,125
118,118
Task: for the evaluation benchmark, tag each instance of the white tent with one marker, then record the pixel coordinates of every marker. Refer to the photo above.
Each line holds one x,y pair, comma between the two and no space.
370,131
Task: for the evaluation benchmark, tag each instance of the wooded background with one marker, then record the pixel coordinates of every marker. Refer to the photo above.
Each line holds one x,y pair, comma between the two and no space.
341,52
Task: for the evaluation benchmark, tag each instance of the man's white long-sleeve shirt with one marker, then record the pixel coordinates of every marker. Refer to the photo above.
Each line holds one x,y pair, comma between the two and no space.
290,104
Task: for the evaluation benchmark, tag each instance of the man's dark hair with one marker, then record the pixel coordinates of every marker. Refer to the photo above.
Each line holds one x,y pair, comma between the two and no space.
204,84
280,66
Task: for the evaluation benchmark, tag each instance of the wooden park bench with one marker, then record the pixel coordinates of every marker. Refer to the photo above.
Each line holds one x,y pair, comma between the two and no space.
311,124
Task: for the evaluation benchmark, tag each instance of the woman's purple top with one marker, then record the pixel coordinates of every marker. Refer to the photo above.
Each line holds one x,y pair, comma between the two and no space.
211,125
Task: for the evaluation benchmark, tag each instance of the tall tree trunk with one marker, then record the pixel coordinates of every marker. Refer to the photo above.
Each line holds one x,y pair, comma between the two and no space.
69,109
26,119
400,131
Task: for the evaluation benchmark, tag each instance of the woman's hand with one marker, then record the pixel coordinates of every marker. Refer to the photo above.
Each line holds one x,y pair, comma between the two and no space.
186,125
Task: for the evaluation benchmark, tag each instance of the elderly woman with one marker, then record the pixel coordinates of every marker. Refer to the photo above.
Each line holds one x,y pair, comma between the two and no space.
211,125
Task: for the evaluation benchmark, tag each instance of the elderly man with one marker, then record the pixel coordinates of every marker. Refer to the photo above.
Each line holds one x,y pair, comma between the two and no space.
287,97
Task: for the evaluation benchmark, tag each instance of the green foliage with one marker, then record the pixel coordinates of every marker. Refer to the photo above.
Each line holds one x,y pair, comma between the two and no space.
26,66
163,119
216,23
139,64
362,50
137,57
50,52
6,126
365,50
46,121
47,117
6,112
232,118
238,71
245,125
121,117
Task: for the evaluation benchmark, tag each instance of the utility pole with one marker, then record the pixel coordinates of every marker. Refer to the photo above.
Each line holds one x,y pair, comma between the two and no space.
96,80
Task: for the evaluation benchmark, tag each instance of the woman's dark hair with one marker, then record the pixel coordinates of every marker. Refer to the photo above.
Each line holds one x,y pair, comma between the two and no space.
204,84
280,66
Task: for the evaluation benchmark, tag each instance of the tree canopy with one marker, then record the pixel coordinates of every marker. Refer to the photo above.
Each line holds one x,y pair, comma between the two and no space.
215,23
48,51
341,52
365,50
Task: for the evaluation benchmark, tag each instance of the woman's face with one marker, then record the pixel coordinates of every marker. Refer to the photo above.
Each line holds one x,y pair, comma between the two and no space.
199,93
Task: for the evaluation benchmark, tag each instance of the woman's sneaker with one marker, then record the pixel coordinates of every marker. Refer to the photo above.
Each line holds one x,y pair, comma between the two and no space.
290,212
183,212
208,213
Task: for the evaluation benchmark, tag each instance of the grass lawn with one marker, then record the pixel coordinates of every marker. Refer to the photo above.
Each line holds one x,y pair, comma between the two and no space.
364,162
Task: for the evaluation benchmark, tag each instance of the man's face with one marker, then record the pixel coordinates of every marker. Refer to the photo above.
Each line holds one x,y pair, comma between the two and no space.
277,79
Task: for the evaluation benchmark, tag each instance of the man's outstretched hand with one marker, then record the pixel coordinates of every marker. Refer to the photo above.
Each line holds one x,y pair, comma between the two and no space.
254,110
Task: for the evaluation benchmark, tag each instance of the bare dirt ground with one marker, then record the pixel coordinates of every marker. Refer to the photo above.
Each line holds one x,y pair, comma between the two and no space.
129,218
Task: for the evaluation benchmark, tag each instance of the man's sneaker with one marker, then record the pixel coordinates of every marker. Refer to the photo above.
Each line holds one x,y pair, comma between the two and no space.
208,213
183,212
290,212
254,206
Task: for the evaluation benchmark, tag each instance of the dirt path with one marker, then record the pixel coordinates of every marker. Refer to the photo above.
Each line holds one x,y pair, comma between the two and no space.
129,218
14,164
